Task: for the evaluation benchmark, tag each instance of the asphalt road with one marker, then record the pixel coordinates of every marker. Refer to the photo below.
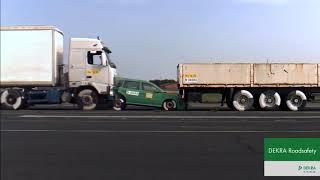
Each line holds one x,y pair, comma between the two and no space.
42,144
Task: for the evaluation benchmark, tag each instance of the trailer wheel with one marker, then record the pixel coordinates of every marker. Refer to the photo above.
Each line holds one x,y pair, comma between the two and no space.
243,100
119,104
296,100
169,105
11,99
269,100
87,99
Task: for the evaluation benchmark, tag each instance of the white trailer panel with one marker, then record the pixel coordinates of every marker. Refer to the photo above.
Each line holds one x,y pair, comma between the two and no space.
30,55
248,75
286,74
218,74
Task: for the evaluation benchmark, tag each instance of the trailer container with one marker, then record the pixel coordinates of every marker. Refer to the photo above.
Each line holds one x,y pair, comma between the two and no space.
246,85
31,57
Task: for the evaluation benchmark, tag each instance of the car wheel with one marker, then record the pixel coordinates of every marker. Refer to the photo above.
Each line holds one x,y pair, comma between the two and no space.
87,99
119,104
169,105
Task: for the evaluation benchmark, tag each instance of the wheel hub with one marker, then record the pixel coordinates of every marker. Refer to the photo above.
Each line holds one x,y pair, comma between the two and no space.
118,103
243,100
270,100
296,101
87,100
170,105
11,99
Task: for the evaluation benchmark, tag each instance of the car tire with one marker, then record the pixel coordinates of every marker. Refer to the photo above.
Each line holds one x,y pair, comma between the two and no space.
87,99
119,104
169,105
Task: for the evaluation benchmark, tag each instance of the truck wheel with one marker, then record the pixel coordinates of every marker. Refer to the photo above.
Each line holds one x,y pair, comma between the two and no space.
11,99
243,100
119,104
87,99
169,105
269,100
296,100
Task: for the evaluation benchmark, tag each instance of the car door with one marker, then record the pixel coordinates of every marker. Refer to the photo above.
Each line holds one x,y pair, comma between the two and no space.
152,94
133,92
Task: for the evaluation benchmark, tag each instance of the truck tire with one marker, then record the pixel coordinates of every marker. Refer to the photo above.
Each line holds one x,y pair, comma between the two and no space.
169,105
243,100
11,99
269,100
119,104
87,99
296,100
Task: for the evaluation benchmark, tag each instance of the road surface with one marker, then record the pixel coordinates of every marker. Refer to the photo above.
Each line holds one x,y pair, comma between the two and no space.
42,144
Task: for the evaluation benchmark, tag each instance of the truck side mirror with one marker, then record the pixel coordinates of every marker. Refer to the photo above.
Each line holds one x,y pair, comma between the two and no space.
113,65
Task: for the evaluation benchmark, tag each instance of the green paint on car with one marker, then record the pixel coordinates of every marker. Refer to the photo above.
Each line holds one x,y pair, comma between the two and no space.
144,93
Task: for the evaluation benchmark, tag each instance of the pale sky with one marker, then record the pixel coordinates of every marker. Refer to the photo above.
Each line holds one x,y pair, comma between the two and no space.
150,37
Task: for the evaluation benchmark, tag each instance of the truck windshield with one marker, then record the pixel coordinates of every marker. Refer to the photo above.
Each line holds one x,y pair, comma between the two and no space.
110,62
107,51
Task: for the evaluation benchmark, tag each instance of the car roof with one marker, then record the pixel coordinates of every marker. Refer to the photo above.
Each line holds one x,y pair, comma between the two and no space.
128,79
118,79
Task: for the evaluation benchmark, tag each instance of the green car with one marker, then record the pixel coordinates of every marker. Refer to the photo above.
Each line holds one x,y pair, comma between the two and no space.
144,93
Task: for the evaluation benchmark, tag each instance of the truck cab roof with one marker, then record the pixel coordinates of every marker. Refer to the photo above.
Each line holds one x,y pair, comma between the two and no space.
85,43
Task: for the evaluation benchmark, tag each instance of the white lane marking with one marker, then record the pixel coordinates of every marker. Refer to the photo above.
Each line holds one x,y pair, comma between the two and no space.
136,131
173,117
161,121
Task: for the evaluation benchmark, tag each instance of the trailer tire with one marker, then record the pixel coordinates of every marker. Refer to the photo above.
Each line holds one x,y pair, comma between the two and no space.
243,100
169,105
296,100
119,104
11,99
269,100
87,99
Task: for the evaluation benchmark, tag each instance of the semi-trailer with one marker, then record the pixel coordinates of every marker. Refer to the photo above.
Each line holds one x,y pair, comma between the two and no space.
246,86
34,71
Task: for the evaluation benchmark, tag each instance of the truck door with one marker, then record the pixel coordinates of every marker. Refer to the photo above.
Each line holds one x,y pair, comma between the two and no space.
96,71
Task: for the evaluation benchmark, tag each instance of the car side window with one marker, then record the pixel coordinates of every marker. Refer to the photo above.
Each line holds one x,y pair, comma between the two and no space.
148,87
131,85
